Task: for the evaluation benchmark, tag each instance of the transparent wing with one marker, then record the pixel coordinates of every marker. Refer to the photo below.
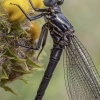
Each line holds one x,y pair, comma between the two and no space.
81,76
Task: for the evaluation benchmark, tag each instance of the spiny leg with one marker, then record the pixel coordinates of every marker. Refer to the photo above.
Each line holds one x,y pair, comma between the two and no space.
21,10
36,9
30,18
43,32
44,40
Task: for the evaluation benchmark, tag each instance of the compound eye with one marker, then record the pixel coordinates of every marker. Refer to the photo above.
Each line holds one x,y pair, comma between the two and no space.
49,3
60,2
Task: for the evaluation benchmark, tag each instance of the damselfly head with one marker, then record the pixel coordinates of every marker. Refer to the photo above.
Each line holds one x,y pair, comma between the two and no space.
49,3
60,2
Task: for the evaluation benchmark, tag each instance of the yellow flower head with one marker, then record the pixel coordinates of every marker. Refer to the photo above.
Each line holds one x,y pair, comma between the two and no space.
15,14
38,3
34,30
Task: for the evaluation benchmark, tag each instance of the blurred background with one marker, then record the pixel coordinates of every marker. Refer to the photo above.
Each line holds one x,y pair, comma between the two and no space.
85,17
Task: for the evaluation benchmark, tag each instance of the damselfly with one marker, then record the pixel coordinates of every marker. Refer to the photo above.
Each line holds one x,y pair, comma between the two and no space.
81,76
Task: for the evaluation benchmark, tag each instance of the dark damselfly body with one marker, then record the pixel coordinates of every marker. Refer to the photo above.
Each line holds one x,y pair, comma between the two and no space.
81,77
